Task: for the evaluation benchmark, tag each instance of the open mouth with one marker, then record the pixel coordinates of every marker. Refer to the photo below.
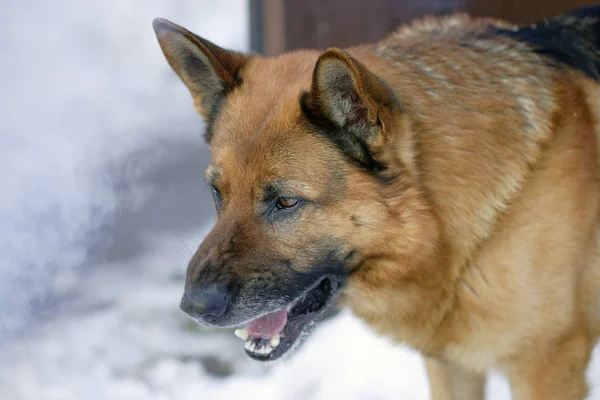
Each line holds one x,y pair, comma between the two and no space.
269,337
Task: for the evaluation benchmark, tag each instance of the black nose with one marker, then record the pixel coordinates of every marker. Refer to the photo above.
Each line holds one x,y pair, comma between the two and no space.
207,302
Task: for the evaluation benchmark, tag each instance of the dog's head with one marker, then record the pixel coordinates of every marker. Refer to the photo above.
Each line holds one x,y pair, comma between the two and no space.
314,182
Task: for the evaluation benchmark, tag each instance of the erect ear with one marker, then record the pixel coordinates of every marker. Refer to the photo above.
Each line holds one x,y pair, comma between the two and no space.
208,71
349,104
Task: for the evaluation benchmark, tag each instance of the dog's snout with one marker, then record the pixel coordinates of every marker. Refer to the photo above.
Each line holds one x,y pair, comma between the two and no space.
207,302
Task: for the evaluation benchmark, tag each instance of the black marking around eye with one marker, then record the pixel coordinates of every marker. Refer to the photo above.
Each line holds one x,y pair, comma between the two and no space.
271,193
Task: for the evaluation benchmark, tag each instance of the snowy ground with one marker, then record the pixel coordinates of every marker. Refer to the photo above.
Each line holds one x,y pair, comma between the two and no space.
101,159
128,340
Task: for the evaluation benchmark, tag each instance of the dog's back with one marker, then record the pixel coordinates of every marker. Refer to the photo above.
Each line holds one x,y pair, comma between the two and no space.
572,39
468,76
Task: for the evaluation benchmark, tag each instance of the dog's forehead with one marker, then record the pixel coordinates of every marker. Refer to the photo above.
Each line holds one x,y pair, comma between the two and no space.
260,129
279,154
267,99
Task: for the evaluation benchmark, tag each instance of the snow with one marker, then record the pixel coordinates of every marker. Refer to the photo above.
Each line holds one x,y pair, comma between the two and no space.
91,107
130,341
136,344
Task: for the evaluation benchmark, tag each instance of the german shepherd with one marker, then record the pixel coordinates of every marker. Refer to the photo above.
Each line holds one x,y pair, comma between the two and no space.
443,184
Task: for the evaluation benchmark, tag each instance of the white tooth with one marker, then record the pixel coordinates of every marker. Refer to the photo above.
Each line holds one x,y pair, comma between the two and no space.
252,347
268,349
247,345
241,333
275,340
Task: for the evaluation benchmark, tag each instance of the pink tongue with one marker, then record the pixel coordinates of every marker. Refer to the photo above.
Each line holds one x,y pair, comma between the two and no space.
267,326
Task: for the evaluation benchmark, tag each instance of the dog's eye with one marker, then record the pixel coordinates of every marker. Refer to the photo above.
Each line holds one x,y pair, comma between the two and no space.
286,202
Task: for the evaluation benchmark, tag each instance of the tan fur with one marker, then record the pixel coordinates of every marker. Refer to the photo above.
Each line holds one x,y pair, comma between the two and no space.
482,249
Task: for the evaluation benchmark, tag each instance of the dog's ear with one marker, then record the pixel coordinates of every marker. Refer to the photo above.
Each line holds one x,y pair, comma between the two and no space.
209,71
349,104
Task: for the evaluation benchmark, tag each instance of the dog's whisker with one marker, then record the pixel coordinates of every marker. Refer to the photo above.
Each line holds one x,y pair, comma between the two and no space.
185,247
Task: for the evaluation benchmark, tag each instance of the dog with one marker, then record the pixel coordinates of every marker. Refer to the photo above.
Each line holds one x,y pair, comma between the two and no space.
442,183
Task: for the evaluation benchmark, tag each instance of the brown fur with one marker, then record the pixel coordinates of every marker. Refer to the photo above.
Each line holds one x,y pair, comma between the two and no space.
478,243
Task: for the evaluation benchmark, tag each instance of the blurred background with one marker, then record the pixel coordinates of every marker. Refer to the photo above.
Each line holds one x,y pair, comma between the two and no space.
103,202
